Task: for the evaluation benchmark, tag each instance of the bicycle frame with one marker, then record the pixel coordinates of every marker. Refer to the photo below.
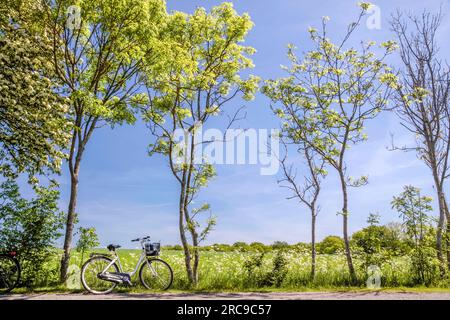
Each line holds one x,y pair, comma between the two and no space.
142,258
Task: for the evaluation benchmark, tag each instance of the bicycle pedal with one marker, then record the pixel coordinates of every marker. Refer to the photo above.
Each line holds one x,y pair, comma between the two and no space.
128,283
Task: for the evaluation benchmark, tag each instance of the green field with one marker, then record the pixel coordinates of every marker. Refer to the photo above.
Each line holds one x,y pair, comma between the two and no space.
225,271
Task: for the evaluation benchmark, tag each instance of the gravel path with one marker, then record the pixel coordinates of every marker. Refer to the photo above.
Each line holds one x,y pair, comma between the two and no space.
247,295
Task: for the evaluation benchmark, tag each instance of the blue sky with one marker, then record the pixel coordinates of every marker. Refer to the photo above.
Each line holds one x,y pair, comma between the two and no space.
125,194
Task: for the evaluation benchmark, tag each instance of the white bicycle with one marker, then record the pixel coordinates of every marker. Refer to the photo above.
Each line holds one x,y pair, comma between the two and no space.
103,272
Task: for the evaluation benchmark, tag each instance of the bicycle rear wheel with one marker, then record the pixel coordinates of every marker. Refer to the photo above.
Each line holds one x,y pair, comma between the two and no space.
9,273
90,271
156,274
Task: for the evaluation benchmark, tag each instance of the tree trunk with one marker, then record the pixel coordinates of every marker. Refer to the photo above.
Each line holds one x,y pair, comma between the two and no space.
184,242
441,221
447,242
195,251
348,253
190,224
70,223
447,235
196,258
313,244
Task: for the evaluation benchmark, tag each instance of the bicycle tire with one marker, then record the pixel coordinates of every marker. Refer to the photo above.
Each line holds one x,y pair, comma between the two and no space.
156,260
83,272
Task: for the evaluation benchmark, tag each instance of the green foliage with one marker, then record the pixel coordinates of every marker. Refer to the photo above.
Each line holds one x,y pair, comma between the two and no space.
273,277
331,92
87,239
205,55
258,246
222,247
370,242
279,269
328,96
33,127
31,226
200,73
414,208
98,55
330,245
241,246
104,54
375,238
253,262
280,245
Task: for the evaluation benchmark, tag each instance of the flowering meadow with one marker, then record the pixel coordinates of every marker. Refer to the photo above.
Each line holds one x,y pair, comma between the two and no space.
227,271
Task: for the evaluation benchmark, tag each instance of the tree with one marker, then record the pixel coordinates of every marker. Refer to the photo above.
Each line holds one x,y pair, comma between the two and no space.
413,208
33,126
376,238
307,192
87,239
371,240
98,52
32,227
280,245
258,246
201,74
331,245
395,238
241,246
422,104
327,99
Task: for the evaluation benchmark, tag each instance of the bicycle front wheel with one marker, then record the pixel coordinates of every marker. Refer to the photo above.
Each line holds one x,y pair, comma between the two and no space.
156,274
9,273
90,271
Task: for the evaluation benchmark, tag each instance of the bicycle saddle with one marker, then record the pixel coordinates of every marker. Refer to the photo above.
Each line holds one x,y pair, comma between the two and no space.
113,247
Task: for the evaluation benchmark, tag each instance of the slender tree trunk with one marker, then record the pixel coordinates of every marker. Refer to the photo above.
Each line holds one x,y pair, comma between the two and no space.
195,251
441,222
447,235
348,253
196,256
70,223
181,225
189,222
447,242
313,244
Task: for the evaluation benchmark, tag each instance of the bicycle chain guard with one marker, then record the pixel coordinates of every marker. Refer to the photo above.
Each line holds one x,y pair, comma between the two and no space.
116,277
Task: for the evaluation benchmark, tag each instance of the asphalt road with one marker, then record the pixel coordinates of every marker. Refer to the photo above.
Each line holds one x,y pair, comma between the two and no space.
366,295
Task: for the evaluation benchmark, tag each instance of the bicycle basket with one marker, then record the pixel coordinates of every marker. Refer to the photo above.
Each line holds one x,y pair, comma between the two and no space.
152,249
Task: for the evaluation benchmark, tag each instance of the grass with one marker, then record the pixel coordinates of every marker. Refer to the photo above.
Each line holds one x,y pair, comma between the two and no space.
224,272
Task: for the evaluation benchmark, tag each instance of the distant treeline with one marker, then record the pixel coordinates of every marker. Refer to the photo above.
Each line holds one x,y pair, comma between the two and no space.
391,237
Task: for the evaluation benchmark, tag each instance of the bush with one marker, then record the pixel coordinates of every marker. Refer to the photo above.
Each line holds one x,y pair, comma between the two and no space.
259,247
222,247
279,270
241,247
31,226
280,245
274,277
87,240
330,245
420,233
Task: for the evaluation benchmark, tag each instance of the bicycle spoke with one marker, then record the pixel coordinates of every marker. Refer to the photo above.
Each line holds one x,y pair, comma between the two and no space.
155,274
90,278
